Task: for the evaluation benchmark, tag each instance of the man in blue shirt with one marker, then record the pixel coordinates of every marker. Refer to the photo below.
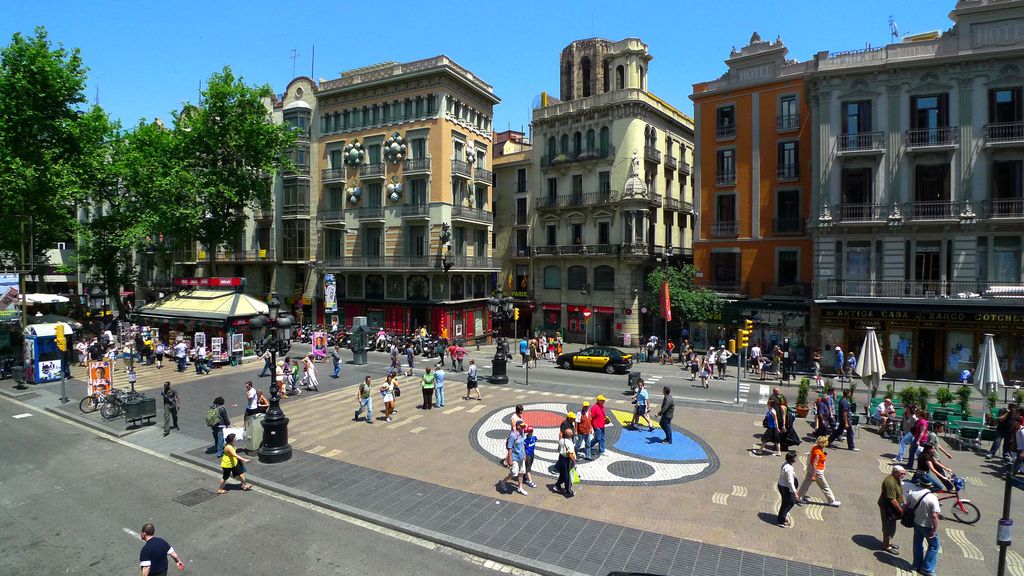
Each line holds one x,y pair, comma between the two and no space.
524,351
516,456
840,362
153,558
640,402
439,375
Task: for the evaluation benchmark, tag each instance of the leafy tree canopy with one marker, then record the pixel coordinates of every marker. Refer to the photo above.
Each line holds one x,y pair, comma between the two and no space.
690,302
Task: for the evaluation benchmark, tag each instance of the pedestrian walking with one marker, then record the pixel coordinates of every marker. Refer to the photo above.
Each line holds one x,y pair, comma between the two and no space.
920,431
530,446
516,460
201,365
160,350
181,354
721,360
217,419
460,356
705,371
566,461
667,412
439,376
393,353
1002,423
387,392
409,356
844,424
924,505
153,557
907,436
472,384
365,399
251,401
667,359
890,506
599,419
427,386
309,379
816,473
584,430
231,464
787,486
336,359
533,352
524,352
640,407
771,428
171,404
267,358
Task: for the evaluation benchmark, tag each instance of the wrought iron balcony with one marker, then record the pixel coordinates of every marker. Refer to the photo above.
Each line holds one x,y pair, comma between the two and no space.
576,250
787,122
945,136
723,178
793,226
671,162
934,210
788,172
301,210
941,290
415,165
551,160
672,203
730,287
1006,208
861,143
862,212
460,168
1004,133
573,200
725,131
474,214
685,167
416,211
655,199
482,175
332,175
370,213
786,289
254,255
372,170
475,263
725,228
385,262
652,154
333,216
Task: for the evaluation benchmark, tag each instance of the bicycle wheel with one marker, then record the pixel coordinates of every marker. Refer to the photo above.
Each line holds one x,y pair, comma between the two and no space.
88,404
968,515
111,410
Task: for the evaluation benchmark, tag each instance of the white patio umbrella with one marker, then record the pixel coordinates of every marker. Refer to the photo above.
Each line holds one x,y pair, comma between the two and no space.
988,377
872,365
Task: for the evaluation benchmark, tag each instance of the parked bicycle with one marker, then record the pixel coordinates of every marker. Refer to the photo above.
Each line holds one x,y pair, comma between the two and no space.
115,403
93,402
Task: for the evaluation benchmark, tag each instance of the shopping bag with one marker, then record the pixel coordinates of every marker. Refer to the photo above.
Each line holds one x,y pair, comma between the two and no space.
575,475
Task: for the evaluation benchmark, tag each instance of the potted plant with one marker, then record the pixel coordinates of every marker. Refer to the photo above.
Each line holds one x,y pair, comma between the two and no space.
890,390
944,396
991,400
801,398
923,394
1018,397
907,396
964,399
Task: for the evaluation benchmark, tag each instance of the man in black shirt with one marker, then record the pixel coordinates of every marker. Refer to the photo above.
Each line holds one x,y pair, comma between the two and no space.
844,423
667,412
153,558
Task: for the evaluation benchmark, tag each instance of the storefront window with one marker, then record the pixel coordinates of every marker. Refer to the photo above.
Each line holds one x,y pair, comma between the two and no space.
1002,342
831,336
552,320
1006,259
576,322
1017,367
959,354
899,353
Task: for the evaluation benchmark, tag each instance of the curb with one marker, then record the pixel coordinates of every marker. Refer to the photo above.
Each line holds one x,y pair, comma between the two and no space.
89,423
459,544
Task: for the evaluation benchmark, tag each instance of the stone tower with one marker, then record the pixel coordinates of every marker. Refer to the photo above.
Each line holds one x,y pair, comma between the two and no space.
595,66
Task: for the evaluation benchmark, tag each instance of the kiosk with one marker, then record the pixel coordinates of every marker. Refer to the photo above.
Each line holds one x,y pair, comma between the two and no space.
44,361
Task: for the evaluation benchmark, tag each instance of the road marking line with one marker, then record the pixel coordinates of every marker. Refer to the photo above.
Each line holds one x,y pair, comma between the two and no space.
476,409
762,394
332,453
546,393
454,410
20,416
814,512
739,491
1014,563
520,396
803,461
720,498
317,449
970,551
533,391
131,533
408,420
417,430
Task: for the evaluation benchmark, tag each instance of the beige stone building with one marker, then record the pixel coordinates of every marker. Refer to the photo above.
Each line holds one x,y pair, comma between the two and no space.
512,162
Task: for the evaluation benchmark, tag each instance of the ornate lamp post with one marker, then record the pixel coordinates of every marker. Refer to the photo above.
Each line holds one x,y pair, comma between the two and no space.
273,334
501,309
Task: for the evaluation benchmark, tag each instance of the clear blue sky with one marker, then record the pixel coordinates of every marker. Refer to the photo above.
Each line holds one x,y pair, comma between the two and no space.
147,57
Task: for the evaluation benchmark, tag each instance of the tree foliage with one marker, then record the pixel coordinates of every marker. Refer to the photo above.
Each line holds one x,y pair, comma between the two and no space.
49,145
691,302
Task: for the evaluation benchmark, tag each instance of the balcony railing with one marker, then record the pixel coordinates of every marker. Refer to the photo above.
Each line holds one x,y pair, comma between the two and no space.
575,250
786,122
685,167
295,210
386,262
570,200
870,142
1006,208
862,212
476,214
725,229
460,168
656,199
411,165
520,186
297,170
1004,133
788,225
254,255
415,210
549,160
371,170
671,162
686,207
788,172
786,289
652,154
944,291
262,215
672,203
482,175
934,210
370,213
475,263
725,286
336,215
726,131
932,137
725,178
332,175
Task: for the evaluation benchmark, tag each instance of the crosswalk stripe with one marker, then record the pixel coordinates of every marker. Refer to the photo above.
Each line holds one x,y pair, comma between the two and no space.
546,393
476,409
417,430
332,453
317,449
405,421
454,410
520,396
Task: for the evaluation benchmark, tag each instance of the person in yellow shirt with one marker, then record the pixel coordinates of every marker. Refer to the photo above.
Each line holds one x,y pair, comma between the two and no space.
231,464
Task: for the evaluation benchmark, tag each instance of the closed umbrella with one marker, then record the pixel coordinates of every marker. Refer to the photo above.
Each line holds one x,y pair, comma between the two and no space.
872,365
988,377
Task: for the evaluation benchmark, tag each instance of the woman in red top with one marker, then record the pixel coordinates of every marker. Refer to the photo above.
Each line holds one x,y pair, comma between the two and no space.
671,346
816,472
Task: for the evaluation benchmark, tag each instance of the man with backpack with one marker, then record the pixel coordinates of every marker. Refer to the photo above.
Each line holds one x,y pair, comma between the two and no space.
217,419
365,400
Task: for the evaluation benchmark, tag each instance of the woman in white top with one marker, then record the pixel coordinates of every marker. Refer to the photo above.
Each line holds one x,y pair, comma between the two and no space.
787,489
566,461
309,373
387,391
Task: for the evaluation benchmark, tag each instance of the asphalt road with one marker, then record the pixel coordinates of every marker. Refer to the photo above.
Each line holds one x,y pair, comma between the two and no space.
72,502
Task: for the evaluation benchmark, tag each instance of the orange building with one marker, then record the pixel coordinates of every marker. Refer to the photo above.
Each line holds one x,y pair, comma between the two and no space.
753,140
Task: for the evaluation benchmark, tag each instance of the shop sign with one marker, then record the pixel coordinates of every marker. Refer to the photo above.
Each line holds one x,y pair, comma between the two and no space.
101,377
575,308
240,322
521,294
939,316
556,307
232,282
237,344
604,309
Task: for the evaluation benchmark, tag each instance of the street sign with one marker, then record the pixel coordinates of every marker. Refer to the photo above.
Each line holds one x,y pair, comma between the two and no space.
587,312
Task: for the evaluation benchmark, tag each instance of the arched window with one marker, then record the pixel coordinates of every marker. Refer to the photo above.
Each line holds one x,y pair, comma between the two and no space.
577,278
568,81
591,141
552,277
606,76
577,144
551,147
564,149
585,73
604,142
620,77
604,278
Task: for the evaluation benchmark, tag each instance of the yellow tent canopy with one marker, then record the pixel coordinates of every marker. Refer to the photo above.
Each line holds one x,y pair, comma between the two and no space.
203,304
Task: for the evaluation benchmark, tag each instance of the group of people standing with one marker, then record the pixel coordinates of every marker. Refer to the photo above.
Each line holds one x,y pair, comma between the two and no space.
540,346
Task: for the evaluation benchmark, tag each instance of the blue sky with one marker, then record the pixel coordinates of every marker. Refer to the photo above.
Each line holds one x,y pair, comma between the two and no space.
148,57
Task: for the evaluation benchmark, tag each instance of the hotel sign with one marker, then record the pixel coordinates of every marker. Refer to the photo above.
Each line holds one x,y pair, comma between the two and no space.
1003,33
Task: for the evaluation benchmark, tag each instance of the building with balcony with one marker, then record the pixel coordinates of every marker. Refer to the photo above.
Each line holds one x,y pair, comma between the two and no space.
754,152
404,215
512,162
609,191
918,200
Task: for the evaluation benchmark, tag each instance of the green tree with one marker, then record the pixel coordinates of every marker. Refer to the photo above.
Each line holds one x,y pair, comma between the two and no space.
228,147
48,143
690,302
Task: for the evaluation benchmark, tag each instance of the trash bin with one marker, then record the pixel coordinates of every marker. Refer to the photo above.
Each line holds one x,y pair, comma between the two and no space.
254,432
634,377
147,408
133,410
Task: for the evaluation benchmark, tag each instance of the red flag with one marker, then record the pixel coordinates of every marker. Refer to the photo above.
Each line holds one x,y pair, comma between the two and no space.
666,302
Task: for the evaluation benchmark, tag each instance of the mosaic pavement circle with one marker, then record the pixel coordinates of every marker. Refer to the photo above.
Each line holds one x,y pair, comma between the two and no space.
632,457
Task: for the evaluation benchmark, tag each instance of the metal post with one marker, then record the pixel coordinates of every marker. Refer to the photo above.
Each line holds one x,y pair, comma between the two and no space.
738,372
1004,531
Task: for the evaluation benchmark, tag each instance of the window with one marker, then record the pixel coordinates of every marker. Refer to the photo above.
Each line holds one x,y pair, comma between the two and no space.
295,237
620,77
931,191
459,240
669,224
417,245
789,160
335,198
296,196
1004,105
568,80
725,271
858,261
552,189
725,205
604,278
1007,188
372,242
577,144
577,234
788,219
521,212
521,180
418,148
787,267
856,117
564,145
585,74
552,151
552,235
606,76
604,235
643,78
577,188
604,183
604,142
334,158
577,278
725,121
1006,259
373,153
929,112
789,113
480,242
726,173
522,277
982,259
856,186
591,141
522,242
374,195
552,277
418,192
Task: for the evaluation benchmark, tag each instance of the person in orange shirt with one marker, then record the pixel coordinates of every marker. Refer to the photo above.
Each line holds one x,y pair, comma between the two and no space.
816,472
667,359
584,429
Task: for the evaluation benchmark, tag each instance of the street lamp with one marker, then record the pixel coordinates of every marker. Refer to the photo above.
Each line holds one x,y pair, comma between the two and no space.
502,310
273,335
586,291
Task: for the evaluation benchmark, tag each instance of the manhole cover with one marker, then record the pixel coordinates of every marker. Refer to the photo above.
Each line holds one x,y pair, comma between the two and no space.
195,497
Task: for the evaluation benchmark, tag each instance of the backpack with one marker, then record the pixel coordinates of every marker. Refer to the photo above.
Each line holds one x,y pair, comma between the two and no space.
213,416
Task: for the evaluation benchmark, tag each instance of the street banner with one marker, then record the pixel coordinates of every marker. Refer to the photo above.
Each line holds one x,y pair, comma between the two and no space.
330,294
100,377
10,298
320,345
666,302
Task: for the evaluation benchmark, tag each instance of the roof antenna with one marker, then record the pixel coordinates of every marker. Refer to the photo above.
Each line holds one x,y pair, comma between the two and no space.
97,95
294,56
312,63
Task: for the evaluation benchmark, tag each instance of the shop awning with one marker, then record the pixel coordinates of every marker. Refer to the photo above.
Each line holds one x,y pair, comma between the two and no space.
45,299
203,304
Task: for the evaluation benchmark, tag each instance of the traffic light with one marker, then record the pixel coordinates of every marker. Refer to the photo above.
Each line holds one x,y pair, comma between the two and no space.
744,336
516,314
748,325
732,345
